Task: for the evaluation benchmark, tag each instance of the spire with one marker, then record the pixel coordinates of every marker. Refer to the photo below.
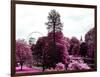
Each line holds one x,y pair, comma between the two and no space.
81,39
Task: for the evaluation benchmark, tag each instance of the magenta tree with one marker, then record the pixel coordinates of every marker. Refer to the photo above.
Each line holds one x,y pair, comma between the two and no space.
74,46
90,39
57,50
44,50
23,52
39,51
61,48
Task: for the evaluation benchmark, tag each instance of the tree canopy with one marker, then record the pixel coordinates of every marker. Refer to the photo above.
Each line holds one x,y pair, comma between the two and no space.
23,52
54,21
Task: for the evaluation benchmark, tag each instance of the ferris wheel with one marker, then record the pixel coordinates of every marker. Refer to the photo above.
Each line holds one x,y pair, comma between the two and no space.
33,37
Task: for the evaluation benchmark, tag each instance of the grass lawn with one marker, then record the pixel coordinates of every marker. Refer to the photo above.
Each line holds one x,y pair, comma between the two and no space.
27,70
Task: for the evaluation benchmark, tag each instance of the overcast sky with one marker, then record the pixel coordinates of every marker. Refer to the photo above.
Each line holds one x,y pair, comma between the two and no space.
32,18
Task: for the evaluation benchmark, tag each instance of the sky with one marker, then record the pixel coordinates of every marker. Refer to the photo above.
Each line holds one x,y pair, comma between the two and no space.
31,19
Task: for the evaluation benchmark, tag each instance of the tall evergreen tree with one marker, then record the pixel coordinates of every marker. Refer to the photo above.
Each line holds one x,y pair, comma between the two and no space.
54,22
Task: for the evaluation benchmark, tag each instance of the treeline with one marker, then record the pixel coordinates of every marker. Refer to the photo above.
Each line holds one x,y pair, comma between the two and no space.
55,47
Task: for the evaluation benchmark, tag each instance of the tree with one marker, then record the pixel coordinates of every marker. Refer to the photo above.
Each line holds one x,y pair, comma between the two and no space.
44,50
61,50
83,49
54,23
67,40
39,50
59,55
90,39
75,46
23,52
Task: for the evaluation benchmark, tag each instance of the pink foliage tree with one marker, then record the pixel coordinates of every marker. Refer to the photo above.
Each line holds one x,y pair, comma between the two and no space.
44,50
23,52
61,47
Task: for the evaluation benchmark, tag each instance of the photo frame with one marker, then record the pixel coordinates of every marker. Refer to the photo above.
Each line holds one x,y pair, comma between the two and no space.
26,14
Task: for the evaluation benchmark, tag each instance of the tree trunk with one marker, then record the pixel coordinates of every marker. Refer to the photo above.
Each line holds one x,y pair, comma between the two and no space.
21,66
43,68
43,62
54,35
